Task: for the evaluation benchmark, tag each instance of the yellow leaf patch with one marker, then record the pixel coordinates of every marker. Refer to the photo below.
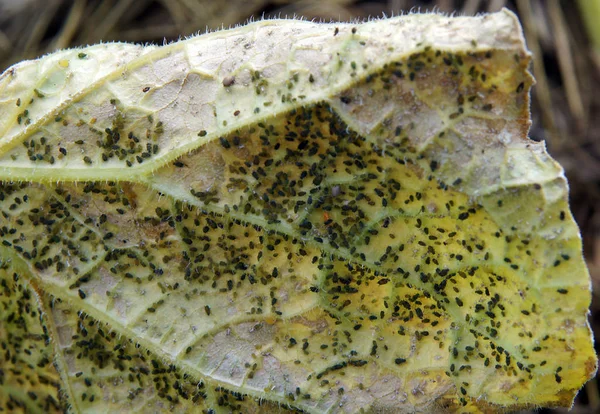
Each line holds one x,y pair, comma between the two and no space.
287,216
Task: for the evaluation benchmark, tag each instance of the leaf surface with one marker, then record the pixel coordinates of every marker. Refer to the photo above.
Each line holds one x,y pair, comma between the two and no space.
287,216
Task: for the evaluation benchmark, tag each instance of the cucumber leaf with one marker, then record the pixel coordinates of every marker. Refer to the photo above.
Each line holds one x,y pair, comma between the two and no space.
287,216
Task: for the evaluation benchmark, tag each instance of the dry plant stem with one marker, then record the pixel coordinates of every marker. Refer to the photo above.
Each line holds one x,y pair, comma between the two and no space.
5,45
112,18
70,26
592,392
143,33
98,15
178,13
444,5
541,89
567,68
399,5
496,5
590,13
42,20
471,7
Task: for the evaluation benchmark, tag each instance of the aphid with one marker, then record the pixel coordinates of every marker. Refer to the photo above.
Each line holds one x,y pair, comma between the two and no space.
244,221
228,81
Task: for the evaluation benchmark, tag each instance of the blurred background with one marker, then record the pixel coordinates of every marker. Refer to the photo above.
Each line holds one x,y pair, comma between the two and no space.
564,37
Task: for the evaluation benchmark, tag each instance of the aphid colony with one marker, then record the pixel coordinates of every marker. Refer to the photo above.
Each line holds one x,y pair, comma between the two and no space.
341,259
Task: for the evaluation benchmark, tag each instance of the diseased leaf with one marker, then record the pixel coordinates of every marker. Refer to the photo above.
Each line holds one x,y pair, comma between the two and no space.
287,216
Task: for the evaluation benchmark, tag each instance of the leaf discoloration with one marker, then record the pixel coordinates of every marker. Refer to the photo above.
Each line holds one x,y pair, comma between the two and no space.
325,227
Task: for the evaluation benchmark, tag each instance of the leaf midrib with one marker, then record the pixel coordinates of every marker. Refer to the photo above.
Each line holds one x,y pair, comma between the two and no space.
141,171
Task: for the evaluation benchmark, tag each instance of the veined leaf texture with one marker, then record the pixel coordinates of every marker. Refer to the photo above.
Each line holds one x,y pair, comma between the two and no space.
287,216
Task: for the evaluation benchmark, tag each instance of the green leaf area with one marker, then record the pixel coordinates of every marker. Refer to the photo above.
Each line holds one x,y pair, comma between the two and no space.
314,218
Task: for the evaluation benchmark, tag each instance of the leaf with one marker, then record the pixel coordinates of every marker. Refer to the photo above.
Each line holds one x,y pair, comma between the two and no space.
287,215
